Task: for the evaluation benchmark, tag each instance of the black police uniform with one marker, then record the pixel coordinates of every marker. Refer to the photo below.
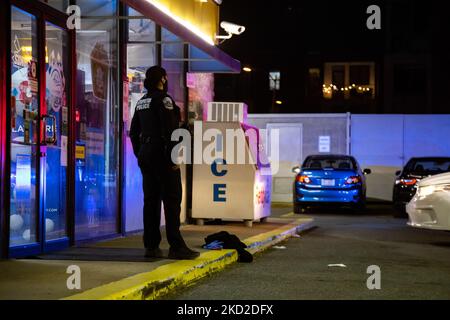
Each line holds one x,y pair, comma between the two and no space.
156,117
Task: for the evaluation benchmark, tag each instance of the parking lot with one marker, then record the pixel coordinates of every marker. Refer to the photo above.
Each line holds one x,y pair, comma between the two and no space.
414,263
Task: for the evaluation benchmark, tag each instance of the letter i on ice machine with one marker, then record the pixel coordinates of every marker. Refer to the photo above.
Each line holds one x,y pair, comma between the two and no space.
232,181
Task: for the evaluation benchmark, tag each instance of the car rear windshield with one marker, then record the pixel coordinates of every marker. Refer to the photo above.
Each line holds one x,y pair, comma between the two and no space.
428,166
337,163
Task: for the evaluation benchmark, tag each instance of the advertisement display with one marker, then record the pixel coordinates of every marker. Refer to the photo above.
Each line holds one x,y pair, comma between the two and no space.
99,70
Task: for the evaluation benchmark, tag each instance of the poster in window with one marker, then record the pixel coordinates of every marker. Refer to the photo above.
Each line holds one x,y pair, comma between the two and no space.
32,76
99,70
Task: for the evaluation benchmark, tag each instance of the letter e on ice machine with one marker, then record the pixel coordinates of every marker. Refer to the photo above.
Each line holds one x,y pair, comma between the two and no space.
232,181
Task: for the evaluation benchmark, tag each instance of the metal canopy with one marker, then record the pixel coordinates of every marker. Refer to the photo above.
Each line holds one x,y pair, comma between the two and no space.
203,57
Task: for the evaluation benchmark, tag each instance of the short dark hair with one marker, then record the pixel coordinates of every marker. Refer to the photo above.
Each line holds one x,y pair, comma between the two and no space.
152,76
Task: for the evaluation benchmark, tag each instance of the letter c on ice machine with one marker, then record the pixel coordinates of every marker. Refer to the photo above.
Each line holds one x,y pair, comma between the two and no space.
232,180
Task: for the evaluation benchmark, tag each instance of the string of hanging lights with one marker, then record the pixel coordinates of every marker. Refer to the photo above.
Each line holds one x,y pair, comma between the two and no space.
331,87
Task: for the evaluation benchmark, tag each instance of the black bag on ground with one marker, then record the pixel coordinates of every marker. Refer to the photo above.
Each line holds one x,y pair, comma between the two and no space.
231,241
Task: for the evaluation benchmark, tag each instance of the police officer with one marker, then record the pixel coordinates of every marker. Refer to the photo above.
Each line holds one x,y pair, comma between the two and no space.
156,117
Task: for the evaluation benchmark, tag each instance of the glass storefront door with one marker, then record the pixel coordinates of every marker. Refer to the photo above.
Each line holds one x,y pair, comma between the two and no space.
24,208
57,109
40,77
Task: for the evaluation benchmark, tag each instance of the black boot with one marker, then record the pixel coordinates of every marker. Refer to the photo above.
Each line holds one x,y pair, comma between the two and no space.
154,253
183,253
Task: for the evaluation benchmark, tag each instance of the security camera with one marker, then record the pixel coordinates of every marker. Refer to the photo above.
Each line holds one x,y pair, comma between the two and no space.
232,28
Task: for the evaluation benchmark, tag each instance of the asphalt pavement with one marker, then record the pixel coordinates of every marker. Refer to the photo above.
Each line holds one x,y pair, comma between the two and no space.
413,263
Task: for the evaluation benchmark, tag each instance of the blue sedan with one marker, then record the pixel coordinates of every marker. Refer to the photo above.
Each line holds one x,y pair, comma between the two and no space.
329,179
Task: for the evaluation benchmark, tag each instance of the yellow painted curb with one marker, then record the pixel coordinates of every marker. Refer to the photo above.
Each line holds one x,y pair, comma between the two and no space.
154,284
263,241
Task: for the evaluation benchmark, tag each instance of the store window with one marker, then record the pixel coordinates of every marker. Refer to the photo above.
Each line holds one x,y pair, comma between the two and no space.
173,62
97,138
141,54
97,8
140,28
201,92
60,5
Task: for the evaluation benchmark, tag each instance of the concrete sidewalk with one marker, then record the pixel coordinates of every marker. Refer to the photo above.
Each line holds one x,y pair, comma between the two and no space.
116,269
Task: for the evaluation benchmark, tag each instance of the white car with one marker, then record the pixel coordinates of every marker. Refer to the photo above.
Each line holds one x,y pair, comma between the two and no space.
430,206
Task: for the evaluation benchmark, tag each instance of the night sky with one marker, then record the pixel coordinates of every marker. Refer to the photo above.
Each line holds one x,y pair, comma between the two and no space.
293,36
281,29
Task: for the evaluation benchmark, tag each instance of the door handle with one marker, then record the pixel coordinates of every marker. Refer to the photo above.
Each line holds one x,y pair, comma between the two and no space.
53,138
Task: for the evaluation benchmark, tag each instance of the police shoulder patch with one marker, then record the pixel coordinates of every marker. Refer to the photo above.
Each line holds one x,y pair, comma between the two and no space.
168,104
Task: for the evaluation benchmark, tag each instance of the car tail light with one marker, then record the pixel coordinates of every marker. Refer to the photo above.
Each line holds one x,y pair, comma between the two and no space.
408,182
303,179
353,180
